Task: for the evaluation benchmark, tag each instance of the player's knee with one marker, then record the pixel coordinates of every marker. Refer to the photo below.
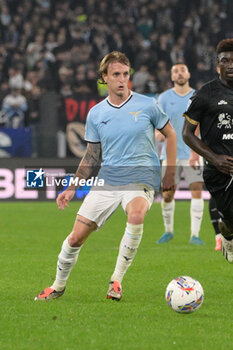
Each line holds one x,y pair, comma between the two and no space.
75,240
196,187
136,217
168,196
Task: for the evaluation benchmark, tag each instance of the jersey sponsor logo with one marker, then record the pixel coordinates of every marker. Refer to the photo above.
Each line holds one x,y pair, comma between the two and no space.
224,121
135,115
227,137
222,102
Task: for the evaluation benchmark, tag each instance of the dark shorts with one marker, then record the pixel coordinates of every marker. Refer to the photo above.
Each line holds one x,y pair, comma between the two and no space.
224,203
221,188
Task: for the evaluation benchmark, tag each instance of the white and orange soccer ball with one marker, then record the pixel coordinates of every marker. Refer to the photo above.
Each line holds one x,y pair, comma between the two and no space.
184,294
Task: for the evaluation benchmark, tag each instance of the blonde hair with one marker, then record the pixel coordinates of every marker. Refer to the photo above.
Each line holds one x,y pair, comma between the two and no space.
114,56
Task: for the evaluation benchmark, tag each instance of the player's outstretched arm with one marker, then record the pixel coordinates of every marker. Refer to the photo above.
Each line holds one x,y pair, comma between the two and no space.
88,164
223,163
168,182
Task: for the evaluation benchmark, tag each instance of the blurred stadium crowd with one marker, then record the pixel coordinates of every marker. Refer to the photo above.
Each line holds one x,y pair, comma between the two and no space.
53,45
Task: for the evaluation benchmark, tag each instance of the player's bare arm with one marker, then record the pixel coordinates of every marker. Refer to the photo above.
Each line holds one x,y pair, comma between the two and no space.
223,163
168,182
159,136
89,162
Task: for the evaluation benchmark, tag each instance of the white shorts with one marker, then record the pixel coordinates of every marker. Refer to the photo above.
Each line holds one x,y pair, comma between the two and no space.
191,175
99,205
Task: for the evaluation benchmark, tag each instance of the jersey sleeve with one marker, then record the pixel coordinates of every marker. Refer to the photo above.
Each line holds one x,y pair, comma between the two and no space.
91,132
159,117
162,101
196,107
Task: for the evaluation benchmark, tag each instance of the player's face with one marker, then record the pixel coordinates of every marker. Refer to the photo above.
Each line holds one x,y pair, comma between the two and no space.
117,78
225,64
180,74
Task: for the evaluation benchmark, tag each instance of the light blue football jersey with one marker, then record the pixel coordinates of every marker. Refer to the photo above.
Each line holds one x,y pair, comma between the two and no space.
174,106
126,133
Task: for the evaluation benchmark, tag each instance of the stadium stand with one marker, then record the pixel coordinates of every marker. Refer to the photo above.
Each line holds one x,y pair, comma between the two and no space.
53,46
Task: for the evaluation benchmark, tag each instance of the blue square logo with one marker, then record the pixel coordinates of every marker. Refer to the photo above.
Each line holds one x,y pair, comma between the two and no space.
35,178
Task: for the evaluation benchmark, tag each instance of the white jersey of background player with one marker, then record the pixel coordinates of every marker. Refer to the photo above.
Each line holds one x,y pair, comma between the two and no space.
121,128
174,102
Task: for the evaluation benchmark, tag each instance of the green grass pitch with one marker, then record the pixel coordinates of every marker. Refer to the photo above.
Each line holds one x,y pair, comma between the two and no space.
83,319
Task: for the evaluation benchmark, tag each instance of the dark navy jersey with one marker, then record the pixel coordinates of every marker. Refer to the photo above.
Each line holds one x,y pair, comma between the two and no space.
212,108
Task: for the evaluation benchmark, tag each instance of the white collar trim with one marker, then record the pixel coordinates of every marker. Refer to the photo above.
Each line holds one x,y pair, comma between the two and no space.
131,93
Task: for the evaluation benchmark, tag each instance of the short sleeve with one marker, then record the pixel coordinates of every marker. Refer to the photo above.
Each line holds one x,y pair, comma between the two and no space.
91,132
196,107
161,101
159,117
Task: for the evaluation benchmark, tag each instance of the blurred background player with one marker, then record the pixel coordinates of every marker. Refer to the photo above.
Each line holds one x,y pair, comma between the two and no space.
121,128
174,102
212,109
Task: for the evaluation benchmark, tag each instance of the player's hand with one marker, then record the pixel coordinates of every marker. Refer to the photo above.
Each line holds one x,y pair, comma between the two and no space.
224,163
168,182
64,198
194,159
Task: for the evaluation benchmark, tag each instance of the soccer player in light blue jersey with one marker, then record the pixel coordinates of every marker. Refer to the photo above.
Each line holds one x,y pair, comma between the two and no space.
174,102
120,128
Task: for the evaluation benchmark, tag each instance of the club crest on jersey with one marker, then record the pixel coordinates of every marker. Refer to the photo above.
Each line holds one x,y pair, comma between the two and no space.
135,115
224,121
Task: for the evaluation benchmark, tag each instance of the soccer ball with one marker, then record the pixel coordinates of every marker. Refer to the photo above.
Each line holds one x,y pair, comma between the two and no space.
184,294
